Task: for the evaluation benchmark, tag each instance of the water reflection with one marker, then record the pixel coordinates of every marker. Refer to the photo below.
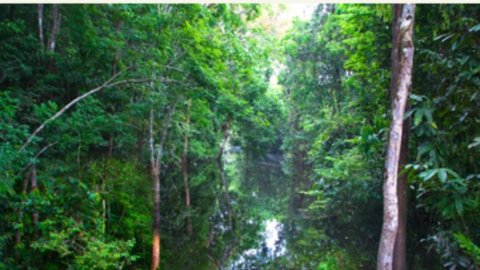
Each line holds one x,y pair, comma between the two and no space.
273,245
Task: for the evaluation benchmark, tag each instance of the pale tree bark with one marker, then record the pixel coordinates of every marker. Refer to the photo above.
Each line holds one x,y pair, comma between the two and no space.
156,155
185,169
52,40
40,25
402,88
400,249
400,252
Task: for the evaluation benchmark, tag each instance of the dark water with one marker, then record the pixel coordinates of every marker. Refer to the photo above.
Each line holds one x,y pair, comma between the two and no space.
264,180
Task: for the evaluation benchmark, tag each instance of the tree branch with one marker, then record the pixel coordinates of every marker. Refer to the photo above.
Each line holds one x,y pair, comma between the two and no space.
106,84
36,156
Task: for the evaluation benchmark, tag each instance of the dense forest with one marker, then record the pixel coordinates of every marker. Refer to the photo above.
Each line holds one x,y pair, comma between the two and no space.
209,136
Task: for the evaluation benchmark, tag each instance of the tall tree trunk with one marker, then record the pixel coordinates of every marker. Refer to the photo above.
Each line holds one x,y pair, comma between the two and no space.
185,169
400,249
399,253
402,87
155,173
52,40
40,25
156,165
156,219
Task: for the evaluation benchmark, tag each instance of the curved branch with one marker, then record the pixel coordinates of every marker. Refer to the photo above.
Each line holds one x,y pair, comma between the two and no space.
106,84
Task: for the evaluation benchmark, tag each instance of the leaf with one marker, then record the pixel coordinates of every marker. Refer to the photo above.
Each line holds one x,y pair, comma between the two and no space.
443,36
474,28
416,97
464,60
453,173
426,175
476,142
442,175
424,148
409,113
418,117
428,115
455,45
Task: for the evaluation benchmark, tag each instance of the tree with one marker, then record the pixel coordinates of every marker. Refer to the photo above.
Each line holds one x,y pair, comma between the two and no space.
156,155
186,185
405,23
400,253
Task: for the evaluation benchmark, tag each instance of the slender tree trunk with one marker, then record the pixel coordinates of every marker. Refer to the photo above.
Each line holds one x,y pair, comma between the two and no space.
211,235
185,169
156,165
400,249
156,219
392,161
40,25
395,56
155,172
52,40
399,253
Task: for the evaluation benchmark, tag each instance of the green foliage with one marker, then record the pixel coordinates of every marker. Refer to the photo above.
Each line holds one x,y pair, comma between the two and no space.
334,145
308,153
336,87
92,163
468,246
444,172
338,259
100,255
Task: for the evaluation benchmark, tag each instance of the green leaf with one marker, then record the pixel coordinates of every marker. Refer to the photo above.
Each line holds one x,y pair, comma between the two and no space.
453,173
476,142
474,28
409,113
426,175
416,97
442,175
418,117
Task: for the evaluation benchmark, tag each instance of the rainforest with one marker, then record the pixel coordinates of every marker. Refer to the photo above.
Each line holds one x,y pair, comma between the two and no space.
240,136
